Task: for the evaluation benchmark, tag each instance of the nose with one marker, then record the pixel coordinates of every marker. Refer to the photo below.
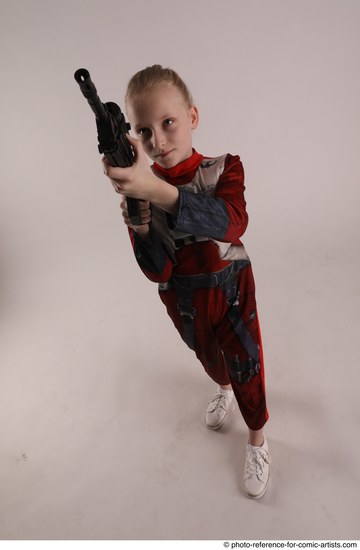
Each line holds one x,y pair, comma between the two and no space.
159,140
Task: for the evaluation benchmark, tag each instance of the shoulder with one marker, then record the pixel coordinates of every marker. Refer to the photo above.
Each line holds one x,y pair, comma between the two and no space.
226,164
220,168
210,169
220,162
226,159
234,166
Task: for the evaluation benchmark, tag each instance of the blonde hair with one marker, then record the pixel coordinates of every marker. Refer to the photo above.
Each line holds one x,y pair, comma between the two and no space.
151,76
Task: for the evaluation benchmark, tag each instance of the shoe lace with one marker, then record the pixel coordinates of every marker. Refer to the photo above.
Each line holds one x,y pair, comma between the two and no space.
256,460
219,402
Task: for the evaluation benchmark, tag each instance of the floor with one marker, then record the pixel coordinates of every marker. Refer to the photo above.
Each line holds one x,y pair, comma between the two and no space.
102,407
102,433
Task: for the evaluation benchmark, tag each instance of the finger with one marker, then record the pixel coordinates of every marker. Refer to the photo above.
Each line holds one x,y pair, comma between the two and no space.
126,218
145,210
133,141
144,205
145,221
146,213
119,187
115,172
105,164
123,203
145,217
115,186
136,144
107,168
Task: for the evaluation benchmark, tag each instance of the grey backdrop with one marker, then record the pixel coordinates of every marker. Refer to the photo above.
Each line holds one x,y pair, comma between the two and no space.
101,404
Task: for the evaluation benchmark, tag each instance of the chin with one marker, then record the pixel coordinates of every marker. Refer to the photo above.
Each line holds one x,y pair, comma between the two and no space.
167,162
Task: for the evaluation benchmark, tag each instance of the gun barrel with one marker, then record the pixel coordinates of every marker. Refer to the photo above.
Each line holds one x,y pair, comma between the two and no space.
87,87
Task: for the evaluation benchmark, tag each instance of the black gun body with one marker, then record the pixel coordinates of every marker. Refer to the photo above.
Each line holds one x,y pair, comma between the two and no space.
112,129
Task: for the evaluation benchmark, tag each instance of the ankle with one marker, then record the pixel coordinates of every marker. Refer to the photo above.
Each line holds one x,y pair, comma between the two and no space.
256,438
227,388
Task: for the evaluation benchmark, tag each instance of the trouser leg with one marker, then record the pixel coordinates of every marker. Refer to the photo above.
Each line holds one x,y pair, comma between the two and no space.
221,350
206,345
240,339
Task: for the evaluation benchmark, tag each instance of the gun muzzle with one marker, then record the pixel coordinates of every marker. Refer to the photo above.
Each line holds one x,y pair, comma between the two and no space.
87,87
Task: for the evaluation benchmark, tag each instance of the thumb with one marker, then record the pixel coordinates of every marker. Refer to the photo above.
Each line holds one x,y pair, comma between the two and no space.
136,144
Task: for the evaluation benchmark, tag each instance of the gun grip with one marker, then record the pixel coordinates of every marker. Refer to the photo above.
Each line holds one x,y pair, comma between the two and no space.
134,211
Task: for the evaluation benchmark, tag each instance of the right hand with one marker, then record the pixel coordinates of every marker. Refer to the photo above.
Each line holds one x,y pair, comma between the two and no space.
142,230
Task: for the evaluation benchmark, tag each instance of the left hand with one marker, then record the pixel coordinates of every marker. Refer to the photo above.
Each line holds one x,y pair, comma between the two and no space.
138,180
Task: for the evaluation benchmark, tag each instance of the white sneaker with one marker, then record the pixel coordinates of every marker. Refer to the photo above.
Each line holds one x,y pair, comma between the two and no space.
218,408
257,470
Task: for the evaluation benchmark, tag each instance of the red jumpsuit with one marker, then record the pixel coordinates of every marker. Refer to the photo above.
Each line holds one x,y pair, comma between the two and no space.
203,239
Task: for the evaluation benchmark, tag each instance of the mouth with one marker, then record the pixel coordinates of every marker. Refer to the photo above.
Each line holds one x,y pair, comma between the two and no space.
163,155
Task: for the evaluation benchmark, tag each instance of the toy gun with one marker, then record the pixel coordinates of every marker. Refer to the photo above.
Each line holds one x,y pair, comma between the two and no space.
112,129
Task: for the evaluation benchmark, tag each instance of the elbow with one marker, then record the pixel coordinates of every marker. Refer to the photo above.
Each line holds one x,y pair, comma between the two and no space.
242,227
238,222
162,276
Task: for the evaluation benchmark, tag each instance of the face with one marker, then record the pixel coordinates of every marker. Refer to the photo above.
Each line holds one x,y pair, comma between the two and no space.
163,122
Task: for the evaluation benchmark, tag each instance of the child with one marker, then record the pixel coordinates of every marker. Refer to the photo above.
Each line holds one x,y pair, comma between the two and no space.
194,213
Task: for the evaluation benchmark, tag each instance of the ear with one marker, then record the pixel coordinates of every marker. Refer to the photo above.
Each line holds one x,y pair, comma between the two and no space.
194,116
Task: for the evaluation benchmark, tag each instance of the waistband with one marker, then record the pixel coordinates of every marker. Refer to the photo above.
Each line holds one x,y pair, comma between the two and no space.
189,239
205,280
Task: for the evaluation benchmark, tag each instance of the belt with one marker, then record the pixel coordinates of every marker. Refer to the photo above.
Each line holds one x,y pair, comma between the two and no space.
185,288
189,239
205,280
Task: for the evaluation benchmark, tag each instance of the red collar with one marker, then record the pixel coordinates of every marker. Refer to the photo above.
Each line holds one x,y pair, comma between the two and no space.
187,165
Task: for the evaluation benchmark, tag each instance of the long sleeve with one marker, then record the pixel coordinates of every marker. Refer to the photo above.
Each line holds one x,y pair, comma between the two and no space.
152,257
222,217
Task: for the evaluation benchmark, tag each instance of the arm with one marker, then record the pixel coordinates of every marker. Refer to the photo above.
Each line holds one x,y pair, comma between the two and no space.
222,217
149,251
151,256
139,181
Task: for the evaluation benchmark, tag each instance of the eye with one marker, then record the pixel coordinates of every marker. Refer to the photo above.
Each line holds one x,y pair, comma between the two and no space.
142,131
168,122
